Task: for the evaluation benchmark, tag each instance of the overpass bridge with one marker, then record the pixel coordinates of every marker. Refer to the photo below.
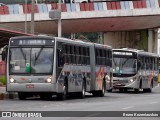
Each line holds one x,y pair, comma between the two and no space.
107,17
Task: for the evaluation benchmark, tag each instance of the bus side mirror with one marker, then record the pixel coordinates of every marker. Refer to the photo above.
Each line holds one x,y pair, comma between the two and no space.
3,56
4,53
60,58
139,65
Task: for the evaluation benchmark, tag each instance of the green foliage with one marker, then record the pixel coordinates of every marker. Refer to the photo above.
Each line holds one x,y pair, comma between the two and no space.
3,80
138,39
89,37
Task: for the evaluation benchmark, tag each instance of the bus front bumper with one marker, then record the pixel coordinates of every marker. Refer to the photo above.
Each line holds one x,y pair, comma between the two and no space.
32,87
127,85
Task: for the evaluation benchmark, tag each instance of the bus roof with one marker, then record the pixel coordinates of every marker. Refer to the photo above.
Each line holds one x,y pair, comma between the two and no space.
139,52
76,41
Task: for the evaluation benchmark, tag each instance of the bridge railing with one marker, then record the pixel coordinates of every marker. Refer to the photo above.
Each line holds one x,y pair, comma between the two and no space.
77,7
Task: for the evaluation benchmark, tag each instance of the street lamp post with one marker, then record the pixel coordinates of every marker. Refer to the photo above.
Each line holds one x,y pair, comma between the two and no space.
25,16
32,18
59,21
56,15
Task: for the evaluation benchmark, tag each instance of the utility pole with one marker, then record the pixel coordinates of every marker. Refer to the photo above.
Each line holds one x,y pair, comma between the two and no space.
32,18
25,16
56,16
59,21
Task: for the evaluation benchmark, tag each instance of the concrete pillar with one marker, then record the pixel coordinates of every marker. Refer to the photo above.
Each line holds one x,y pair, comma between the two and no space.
152,40
116,39
109,39
100,38
156,40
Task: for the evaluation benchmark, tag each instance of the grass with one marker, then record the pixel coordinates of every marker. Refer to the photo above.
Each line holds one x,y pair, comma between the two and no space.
3,80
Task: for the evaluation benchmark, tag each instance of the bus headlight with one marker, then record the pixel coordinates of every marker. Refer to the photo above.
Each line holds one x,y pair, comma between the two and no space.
12,80
131,80
49,80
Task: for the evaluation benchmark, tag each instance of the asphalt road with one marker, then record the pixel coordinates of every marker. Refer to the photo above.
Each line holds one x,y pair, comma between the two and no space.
114,101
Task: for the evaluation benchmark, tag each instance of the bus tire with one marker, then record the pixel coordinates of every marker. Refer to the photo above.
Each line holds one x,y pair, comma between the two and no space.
151,86
95,94
148,89
63,96
121,90
45,96
110,90
136,90
21,96
82,93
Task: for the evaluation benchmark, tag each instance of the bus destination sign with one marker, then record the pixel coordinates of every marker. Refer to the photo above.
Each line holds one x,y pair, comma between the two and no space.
124,53
31,42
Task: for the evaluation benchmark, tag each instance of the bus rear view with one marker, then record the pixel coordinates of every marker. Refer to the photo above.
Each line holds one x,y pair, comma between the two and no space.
30,65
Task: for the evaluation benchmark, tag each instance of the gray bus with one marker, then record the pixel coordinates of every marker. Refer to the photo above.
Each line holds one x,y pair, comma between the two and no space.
46,66
134,69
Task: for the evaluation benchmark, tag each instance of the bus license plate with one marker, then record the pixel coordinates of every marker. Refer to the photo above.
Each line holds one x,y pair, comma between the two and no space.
29,86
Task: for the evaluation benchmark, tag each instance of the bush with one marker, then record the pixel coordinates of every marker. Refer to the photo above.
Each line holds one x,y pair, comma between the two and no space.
3,80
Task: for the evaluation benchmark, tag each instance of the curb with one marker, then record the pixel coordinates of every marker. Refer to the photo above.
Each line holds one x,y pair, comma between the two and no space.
6,96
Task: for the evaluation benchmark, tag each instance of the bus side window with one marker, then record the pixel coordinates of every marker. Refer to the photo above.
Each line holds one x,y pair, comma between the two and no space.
60,58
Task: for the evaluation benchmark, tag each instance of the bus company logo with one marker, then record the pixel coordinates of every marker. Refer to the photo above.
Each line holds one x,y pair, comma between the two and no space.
6,114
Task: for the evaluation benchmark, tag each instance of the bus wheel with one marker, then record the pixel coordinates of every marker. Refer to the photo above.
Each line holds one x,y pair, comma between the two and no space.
21,96
109,90
45,96
102,92
95,94
148,90
136,90
121,90
82,93
125,90
63,96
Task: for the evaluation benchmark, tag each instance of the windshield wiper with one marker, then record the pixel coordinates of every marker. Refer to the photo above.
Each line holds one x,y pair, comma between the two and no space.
36,57
114,62
125,62
24,55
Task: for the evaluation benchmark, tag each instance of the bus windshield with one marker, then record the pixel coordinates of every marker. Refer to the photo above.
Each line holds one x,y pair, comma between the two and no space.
31,60
124,66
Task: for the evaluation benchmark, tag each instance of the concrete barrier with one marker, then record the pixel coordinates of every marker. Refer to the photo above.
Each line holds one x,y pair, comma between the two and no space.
7,95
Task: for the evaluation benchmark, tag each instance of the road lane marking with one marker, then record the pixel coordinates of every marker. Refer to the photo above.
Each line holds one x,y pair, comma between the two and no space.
127,107
153,102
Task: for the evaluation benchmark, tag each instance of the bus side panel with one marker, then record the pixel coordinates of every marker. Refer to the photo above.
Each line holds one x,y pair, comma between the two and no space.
75,75
83,74
100,73
93,68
